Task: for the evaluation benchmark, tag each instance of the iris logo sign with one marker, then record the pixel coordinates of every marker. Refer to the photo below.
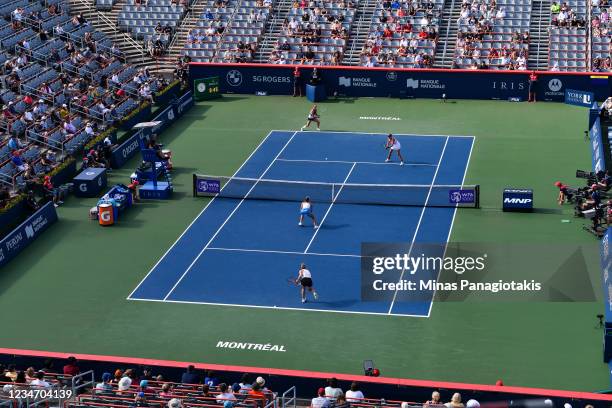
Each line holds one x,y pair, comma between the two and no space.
234,78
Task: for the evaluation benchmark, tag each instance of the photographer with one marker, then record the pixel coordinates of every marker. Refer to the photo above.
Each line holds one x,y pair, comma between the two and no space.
593,200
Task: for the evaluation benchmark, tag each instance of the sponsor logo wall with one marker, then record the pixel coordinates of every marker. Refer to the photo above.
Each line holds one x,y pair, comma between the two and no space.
26,233
278,80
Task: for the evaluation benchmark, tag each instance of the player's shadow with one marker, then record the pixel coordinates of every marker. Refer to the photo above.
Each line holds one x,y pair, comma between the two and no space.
334,226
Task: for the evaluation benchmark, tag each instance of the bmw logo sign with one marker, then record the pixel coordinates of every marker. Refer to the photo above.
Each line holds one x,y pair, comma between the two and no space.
391,76
234,78
201,87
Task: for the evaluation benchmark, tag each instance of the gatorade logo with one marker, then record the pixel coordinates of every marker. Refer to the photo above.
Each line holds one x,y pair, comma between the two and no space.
83,187
105,216
100,181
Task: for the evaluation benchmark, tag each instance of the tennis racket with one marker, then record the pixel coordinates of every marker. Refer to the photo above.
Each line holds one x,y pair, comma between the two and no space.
293,281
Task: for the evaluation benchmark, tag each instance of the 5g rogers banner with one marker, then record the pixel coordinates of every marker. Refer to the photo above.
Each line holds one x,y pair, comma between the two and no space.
387,82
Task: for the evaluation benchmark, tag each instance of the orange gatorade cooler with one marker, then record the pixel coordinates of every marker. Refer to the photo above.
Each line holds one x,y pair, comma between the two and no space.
105,214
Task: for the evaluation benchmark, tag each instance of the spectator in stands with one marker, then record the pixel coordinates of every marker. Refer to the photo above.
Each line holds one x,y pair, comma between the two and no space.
125,382
15,144
140,400
39,381
190,376
225,394
341,402
211,378
105,385
435,399
455,401
175,403
472,403
166,388
18,162
320,401
32,204
332,390
354,394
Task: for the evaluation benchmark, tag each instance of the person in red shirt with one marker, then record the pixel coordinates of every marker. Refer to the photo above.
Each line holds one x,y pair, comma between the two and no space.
257,395
71,368
533,81
564,194
297,82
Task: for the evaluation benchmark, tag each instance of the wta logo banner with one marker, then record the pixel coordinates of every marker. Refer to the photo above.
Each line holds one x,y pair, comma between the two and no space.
462,196
208,186
579,98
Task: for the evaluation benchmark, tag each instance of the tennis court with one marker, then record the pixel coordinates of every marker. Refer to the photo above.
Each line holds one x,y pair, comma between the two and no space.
250,247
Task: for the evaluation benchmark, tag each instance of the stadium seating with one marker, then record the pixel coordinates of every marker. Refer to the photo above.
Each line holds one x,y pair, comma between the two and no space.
228,31
493,34
403,36
568,39
44,54
600,38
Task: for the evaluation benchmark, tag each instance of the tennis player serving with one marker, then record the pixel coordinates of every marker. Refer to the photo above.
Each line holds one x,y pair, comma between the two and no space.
305,280
306,209
393,145
313,116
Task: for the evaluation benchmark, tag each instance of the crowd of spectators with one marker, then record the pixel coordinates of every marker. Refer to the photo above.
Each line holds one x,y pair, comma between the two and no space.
313,23
563,16
411,24
476,23
87,87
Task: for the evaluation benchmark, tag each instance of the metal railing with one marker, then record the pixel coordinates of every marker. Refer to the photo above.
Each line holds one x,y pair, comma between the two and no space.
288,399
102,19
82,381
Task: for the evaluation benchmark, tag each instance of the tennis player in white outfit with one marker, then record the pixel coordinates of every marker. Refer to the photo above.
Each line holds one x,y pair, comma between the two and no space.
305,280
393,145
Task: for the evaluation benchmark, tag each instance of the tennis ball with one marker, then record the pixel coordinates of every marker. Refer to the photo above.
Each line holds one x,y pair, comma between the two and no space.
326,158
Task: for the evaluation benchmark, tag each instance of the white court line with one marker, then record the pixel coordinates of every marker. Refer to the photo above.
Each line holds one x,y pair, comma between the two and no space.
276,308
196,218
348,132
350,162
270,251
450,230
329,208
228,217
416,231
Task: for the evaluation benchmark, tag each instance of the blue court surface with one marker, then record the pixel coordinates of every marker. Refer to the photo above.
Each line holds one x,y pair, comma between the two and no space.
241,252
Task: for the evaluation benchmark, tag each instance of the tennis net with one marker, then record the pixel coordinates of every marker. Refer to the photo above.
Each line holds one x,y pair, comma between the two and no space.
347,193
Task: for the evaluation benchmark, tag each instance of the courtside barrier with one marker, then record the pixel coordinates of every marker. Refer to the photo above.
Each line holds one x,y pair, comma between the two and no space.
394,82
307,382
27,232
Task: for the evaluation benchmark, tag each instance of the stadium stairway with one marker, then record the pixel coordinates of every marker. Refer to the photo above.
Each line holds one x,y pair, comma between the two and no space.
106,21
273,30
359,31
445,49
180,37
539,35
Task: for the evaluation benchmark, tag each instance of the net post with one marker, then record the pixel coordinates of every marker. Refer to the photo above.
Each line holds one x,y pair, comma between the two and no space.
477,191
195,178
